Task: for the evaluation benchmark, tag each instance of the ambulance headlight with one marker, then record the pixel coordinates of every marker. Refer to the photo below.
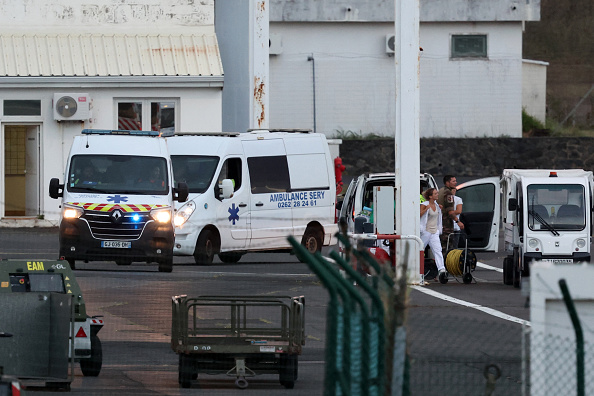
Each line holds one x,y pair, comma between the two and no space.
581,243
533,243
72,212
184,213
161,215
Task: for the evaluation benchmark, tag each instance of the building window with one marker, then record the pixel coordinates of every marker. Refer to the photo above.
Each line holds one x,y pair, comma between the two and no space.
469,46
147,115
22,107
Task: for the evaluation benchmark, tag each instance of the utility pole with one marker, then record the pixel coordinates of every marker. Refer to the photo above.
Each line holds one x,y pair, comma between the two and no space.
406,59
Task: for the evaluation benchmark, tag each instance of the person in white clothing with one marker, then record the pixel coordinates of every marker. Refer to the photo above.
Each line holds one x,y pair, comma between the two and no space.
458,238
431,227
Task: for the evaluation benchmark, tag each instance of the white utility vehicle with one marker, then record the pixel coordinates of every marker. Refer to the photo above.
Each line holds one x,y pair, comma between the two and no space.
547,215
249,191
117,199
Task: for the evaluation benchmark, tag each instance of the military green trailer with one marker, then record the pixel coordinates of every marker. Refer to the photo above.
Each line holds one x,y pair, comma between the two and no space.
240,336
42,306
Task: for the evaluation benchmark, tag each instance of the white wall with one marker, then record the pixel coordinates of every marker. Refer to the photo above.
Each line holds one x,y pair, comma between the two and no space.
354,78
471,98
534,89
355,83
59,15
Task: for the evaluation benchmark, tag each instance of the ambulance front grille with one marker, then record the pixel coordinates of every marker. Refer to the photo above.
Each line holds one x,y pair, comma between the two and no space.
103,227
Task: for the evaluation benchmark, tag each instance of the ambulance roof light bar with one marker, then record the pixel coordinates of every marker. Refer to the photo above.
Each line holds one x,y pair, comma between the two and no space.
125,132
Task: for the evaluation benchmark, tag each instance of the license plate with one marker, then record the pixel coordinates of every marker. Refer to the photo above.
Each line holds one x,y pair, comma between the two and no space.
116,244
558,261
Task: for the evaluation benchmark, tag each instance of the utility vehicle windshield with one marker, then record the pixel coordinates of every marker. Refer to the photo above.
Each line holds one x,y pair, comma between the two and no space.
556,207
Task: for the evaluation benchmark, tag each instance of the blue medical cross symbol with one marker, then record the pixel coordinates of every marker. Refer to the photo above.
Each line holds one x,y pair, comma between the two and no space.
117,198
234,213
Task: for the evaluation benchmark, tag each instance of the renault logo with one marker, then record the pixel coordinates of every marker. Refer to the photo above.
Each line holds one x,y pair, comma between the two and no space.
117,216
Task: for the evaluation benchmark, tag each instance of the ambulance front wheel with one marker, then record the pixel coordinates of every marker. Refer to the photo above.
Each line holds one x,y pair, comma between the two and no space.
206,248
92,366
166,265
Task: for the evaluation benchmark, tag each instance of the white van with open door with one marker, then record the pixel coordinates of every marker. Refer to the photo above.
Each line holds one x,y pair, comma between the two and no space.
546,215
249,191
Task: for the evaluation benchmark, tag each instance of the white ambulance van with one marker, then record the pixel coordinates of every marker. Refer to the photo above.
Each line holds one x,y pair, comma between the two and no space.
117,199
249,191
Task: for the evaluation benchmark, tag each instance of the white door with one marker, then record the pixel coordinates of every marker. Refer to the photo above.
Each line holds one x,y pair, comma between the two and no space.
271,199
480,213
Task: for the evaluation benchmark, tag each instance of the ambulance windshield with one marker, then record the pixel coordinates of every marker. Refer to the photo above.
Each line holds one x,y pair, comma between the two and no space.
197,171
118,174
556,207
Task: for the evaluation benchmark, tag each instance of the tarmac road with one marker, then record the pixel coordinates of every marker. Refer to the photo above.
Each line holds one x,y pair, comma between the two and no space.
135,302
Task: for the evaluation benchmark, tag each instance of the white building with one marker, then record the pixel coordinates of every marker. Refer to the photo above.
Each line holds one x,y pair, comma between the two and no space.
68,65
471,67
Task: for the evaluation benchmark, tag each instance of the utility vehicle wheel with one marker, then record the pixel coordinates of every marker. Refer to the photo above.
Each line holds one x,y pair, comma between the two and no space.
230,258
166,265
92,366
517,273
313,240
186,369
206,248
508,267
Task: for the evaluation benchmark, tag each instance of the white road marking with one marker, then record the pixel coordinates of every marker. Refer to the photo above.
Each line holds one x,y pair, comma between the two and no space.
486,310
489,267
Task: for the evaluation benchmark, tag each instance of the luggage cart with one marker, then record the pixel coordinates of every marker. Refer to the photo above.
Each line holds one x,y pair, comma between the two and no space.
240,336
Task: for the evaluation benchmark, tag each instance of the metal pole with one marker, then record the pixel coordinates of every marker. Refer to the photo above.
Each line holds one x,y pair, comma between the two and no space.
313,67
579,336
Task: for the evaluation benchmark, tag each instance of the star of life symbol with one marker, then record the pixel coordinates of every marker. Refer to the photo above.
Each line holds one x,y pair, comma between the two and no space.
117,198
234,213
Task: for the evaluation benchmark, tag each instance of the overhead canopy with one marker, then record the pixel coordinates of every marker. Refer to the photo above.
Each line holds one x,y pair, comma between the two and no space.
65,55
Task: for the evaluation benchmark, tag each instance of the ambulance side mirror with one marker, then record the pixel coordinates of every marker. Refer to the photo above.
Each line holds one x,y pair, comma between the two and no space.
226,189
181,192
56,190
512,204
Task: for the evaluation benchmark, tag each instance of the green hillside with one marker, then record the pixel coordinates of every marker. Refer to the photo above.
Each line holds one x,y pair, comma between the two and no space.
564,37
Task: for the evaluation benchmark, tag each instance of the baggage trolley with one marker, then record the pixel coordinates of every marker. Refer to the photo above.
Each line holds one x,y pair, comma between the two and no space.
240,336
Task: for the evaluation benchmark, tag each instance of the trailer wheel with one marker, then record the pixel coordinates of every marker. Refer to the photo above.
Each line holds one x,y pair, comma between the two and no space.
288,371
186,370
92,366
206,247
230,257
508,276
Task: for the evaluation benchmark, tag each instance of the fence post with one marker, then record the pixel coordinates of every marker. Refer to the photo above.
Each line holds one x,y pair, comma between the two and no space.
579,336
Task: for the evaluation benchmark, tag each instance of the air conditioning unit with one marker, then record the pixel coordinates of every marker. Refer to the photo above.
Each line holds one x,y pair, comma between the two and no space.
275,44
72,106
390,44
